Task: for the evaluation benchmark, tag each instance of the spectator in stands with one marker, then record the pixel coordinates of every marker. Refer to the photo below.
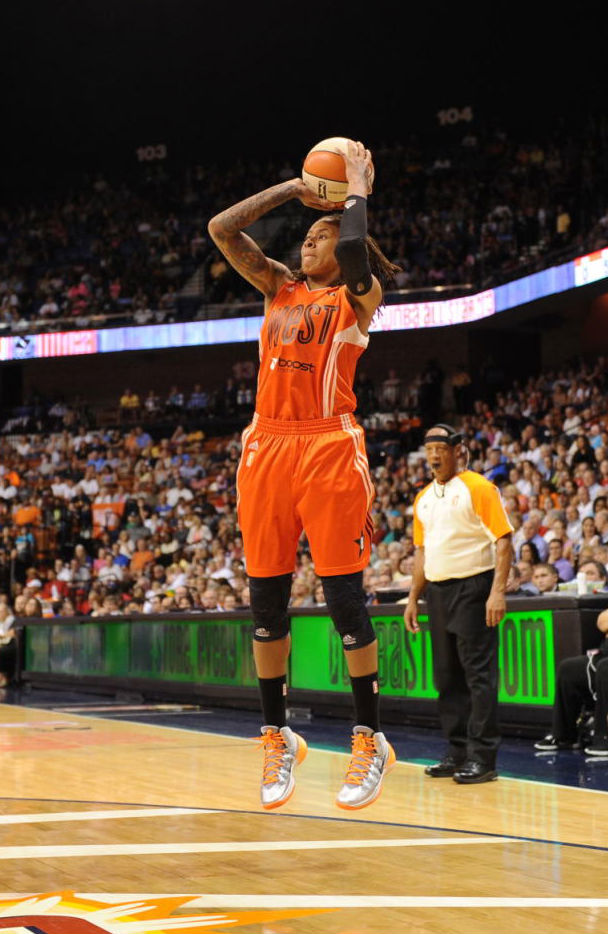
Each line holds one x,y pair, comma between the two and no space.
111,606
558,529
580,451
179,491
461,383
175,402
545,578
49,309
198,400
390,395
596,574
301,593
588,537
496,467
574,526
32,607
8,491
152,404
109,572
128,406
556,557
516,587
529,552
531,535
571,423
142,557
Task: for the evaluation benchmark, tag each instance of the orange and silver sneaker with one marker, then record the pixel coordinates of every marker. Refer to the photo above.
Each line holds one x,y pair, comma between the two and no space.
283,750
372,757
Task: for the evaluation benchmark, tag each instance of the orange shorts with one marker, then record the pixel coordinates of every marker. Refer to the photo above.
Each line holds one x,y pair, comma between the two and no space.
305,475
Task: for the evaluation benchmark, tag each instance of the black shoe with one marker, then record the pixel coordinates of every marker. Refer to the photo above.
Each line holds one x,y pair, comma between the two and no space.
550,743
598,747
473,773
445,768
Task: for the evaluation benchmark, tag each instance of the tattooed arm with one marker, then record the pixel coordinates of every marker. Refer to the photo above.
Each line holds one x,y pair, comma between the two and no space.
243,253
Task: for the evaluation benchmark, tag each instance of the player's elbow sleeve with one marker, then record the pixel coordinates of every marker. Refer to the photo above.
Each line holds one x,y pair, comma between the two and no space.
353,259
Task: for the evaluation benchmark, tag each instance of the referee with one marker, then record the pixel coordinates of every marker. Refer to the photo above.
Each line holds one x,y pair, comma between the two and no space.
463,555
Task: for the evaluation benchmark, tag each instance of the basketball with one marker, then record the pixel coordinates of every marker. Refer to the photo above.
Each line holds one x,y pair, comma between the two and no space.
324,170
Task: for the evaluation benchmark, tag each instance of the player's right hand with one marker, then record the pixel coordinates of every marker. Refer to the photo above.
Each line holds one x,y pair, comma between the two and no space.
310,199
359,165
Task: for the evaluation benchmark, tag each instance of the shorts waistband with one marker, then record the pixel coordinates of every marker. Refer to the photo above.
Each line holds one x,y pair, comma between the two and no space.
312,426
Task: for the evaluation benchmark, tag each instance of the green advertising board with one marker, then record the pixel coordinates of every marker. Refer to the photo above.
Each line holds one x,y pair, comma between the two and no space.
204,651
218,652
405,660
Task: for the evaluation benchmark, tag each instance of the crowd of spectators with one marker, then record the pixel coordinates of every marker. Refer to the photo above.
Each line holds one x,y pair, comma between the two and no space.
468,209
131,520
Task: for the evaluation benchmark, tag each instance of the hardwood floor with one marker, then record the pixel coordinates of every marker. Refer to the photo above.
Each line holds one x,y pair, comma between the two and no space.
120,812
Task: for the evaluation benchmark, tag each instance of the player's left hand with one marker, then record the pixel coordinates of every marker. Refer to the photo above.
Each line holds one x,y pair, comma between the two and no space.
496,607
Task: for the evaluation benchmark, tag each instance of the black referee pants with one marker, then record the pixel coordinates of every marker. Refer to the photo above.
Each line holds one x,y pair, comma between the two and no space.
465,663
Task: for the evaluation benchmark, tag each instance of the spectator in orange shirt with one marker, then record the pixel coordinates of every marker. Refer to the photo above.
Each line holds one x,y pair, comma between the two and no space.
27,513
13,477
142,556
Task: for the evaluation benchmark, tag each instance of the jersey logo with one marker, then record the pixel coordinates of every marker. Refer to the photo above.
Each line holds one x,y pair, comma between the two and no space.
284,364
360,542
254,446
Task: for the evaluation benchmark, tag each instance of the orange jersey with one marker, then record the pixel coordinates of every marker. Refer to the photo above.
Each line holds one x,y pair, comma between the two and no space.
310,343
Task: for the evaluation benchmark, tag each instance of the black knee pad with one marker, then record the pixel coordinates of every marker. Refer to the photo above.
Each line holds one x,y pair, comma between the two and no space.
269,598
345,600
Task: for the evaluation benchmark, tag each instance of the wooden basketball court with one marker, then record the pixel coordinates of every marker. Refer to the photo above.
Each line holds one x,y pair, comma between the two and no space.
123,827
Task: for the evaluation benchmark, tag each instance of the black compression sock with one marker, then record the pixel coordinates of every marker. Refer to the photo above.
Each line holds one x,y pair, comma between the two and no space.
366,698
273,692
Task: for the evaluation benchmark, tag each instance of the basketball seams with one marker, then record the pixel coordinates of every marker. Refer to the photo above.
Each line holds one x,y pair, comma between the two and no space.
323,178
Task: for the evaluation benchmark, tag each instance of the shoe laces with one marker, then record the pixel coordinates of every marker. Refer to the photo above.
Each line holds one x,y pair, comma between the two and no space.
363,753
274,750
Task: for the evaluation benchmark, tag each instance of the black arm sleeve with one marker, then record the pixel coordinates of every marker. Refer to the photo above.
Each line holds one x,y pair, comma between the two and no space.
351,249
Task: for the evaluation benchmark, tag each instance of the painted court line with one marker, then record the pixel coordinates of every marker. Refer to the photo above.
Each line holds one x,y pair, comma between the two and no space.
352,901
155,849
53,816
389,901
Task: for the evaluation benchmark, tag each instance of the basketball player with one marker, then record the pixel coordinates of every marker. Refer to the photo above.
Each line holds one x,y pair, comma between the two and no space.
303,463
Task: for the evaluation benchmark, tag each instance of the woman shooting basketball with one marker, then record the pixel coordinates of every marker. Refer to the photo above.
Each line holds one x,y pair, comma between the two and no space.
303,463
